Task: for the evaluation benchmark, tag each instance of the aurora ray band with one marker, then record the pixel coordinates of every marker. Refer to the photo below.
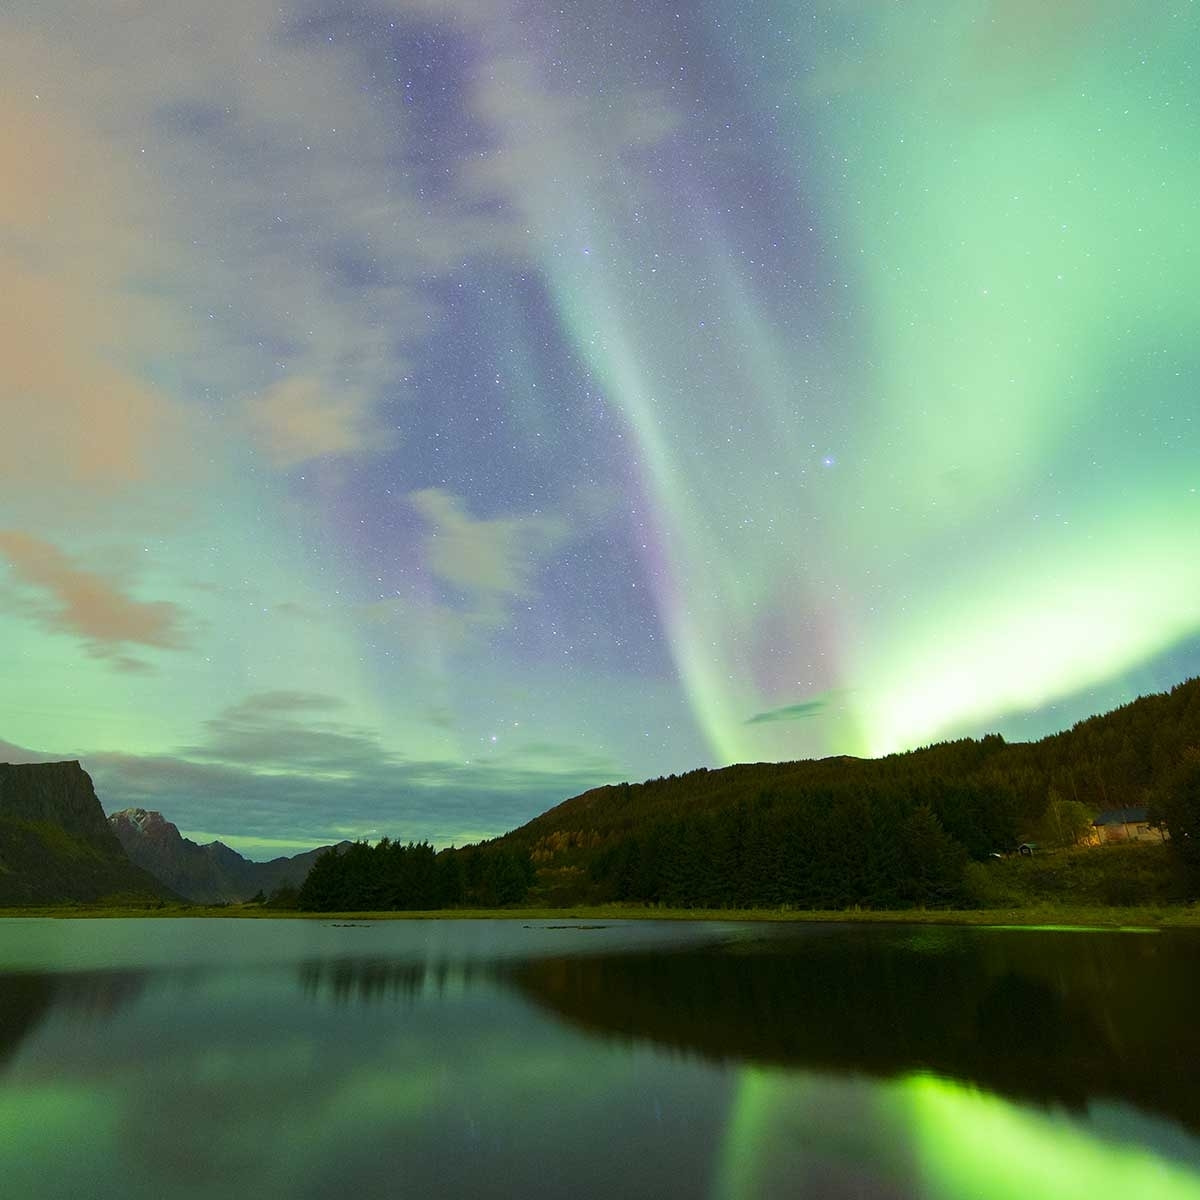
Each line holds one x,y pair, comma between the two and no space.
434,417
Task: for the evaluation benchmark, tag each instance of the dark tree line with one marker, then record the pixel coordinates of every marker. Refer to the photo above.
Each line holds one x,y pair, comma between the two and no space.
831,833
1177,806
394,876
812,855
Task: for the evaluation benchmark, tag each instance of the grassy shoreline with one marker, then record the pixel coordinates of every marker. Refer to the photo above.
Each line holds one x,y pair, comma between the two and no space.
1074,917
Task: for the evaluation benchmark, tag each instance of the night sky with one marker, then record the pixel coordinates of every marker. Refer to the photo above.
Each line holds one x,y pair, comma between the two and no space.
416,413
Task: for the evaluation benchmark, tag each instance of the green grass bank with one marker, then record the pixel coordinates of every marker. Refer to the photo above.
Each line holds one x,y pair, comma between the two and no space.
1059,916
1102,887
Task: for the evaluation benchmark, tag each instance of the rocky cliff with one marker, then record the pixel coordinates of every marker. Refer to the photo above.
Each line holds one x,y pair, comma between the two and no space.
209,873
61,792
56,846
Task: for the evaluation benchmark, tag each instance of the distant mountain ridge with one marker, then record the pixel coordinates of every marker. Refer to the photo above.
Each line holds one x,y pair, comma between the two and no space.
212,873
55,844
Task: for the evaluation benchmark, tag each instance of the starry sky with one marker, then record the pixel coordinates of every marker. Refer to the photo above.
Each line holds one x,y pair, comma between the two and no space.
417,412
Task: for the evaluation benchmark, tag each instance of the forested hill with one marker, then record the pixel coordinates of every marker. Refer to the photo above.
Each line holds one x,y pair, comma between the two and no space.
838,831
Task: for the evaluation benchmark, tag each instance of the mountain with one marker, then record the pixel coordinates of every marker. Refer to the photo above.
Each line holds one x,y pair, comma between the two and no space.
208,874
835,832
55,844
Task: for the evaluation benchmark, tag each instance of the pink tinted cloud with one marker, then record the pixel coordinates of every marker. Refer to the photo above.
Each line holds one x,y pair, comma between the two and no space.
76,417
70,599
296,421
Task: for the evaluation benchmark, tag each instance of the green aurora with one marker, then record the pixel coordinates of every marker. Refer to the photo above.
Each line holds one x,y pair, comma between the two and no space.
941,1138
454,417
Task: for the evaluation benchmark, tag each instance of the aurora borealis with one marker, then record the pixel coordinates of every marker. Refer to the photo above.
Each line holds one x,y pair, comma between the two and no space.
418,412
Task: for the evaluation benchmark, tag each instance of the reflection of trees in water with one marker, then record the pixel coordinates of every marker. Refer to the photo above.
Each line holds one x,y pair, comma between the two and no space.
1038,1015
376,980
26,998
1051,1017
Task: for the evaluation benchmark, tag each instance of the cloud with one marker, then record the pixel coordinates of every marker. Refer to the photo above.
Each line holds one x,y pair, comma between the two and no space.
72,215
422,624
283,766
487,559
404,799
275,703
242,204
169,198
295,421
290,731
791,712
478,568
11,753
69,599
549,141
129,665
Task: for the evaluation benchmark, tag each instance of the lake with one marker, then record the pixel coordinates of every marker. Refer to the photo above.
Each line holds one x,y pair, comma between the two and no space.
281,1058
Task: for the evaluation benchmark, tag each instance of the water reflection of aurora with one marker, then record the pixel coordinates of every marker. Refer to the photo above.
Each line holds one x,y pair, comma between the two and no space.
638,1059
931,1062
1042,1018
943,1140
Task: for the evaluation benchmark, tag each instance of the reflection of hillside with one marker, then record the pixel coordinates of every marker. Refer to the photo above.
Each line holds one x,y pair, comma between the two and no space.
1056,1018
1052,1017
24,1000
27,998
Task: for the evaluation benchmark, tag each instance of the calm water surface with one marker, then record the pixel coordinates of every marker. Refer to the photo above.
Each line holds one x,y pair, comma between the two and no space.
276,1059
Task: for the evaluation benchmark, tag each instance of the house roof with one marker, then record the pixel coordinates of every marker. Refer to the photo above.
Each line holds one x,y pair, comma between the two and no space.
1121,816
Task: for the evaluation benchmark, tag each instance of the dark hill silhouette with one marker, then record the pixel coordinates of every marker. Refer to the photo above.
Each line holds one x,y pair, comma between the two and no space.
838,831
890,833
55,844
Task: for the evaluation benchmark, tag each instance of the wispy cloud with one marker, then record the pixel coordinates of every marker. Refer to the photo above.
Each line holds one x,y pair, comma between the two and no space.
11,753
549,141
290,731
297,420
67,598
791,712
248,219
253,219
488,559
76,412
285,766
408,799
